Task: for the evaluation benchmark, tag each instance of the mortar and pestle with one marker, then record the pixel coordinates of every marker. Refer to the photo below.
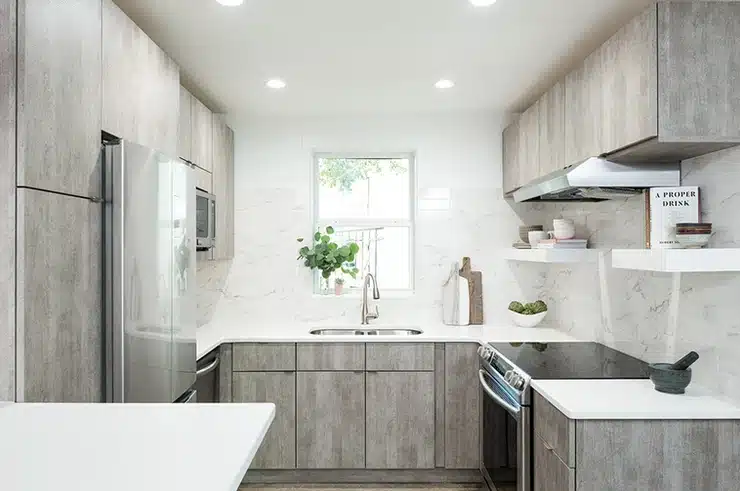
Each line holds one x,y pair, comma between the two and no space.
673,378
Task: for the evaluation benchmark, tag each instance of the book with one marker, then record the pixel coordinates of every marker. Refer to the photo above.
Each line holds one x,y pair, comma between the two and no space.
665,208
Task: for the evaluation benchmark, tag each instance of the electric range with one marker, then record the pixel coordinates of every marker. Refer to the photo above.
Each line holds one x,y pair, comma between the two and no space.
507,370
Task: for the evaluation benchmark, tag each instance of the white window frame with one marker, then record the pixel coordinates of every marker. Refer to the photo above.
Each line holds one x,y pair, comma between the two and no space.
318,223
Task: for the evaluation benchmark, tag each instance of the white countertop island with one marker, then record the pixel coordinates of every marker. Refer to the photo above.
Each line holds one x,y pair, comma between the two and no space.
126,447
212,335
612,399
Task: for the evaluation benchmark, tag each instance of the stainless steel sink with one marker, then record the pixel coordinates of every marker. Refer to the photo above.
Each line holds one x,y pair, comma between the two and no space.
365,332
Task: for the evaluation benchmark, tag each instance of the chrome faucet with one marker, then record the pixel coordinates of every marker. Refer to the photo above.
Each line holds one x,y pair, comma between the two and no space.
366,314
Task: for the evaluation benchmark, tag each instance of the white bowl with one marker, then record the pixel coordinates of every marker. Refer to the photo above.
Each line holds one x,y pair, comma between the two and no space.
693,241
522,320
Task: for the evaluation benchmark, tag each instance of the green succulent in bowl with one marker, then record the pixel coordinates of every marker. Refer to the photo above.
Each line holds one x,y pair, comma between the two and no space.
529,308
516,307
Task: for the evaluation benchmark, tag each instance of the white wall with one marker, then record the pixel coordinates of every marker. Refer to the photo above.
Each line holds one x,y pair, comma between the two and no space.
461,153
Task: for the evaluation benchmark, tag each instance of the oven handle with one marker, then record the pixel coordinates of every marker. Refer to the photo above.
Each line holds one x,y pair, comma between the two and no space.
497,398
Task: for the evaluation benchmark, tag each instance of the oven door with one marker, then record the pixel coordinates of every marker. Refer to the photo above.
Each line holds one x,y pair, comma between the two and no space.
506,451
205,220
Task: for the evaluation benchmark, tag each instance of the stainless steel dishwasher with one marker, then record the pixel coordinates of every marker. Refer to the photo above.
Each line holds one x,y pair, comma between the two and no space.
207,384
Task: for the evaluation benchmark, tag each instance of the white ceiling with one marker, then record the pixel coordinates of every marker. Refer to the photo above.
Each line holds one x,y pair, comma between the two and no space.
376,56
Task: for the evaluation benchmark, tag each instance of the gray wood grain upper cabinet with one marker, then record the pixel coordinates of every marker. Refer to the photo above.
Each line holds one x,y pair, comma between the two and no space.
630,83
552,130
400,420
583,110
204,180
550,473
278,450
223,187
185,126
8,41
698,66
330,420
462,406
202,136
59,95
529,145
141,85
59,298
510,160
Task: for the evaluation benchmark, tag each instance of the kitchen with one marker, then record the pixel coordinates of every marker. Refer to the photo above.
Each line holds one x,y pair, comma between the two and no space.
264,136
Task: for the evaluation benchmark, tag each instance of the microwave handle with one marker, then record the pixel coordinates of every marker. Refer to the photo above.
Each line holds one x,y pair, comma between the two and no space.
515,412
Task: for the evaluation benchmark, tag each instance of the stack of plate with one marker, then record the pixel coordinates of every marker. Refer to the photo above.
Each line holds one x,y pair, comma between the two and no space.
524,231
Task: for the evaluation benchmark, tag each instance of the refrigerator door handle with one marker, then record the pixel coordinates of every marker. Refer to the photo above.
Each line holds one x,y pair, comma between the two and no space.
188,397
208,368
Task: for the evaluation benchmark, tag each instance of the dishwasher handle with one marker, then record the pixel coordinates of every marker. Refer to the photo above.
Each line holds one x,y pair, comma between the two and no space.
208,368
510,408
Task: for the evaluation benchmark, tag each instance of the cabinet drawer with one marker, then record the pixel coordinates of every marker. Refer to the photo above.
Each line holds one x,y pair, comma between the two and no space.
330,356
400,356
551,473
557,431
264,357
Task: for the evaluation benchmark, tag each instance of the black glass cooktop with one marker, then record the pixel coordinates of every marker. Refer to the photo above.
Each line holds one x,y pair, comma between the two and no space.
572,360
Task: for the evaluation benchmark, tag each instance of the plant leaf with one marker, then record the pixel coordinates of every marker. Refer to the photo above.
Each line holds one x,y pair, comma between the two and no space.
354,248
329,230
317,236
325,239
300,239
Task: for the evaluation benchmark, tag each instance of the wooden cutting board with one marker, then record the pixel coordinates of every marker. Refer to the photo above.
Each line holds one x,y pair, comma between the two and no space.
475,289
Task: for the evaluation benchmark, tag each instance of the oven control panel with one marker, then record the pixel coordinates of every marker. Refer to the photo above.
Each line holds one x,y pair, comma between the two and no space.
511,374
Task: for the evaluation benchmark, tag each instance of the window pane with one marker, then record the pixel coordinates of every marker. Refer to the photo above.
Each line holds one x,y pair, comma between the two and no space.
363,188
384,252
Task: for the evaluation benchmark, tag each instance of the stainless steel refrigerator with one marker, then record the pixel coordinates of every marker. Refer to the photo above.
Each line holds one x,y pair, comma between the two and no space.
150,289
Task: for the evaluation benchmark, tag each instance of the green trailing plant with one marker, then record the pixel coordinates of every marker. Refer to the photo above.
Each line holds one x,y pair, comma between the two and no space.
327,256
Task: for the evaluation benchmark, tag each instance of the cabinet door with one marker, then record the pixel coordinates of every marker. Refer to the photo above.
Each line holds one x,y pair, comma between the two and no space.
204,180
223,188
510,161
529,145
400,356
583,111
59,96
550,473
552,130
330,420
202,136
462,406
400,420
698,60
630,83
7,192
141,85
278,448
185,126
59,298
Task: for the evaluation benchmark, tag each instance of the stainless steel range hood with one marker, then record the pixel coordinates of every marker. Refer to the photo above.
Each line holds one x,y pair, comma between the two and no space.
598,179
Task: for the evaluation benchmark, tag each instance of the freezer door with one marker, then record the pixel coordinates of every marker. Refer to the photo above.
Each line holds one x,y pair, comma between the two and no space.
150,276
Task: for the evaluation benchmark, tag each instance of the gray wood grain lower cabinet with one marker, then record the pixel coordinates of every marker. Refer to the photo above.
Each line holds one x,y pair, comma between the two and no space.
7,197
555,428
400,420
510,158
462,406
264,357
59,298
330,356
185,126
699,70
330,420
657,455
399,356
278,450
141,85
202,136
225,373
59,95
550,473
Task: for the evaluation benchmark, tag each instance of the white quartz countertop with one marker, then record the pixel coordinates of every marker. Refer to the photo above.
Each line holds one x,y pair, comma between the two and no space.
212,335
125,447
632,399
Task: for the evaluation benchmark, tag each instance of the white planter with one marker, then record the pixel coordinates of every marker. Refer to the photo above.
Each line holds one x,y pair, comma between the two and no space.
522,320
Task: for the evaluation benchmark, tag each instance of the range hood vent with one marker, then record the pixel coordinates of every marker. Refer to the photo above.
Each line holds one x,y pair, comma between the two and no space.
598,179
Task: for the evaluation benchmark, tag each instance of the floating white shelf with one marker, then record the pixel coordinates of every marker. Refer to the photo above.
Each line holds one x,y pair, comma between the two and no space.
552,255
677,260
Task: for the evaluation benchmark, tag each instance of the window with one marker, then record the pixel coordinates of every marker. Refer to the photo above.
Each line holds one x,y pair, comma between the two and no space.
368,201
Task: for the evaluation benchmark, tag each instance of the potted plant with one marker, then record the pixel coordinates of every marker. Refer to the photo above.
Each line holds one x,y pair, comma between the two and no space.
338,286
327,256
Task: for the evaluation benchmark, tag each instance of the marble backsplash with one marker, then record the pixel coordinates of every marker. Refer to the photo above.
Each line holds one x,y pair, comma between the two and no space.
654,316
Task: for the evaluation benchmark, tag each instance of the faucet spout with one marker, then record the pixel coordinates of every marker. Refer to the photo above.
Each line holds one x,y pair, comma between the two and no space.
367,316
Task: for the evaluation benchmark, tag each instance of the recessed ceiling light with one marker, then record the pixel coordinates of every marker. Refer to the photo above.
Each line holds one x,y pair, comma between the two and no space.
230,3
444,84
275,83
482,3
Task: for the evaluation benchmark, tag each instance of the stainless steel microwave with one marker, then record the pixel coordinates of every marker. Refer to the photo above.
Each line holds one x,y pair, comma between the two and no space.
205,220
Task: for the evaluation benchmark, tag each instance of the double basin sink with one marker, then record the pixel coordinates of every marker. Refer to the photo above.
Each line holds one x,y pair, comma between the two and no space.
365,331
